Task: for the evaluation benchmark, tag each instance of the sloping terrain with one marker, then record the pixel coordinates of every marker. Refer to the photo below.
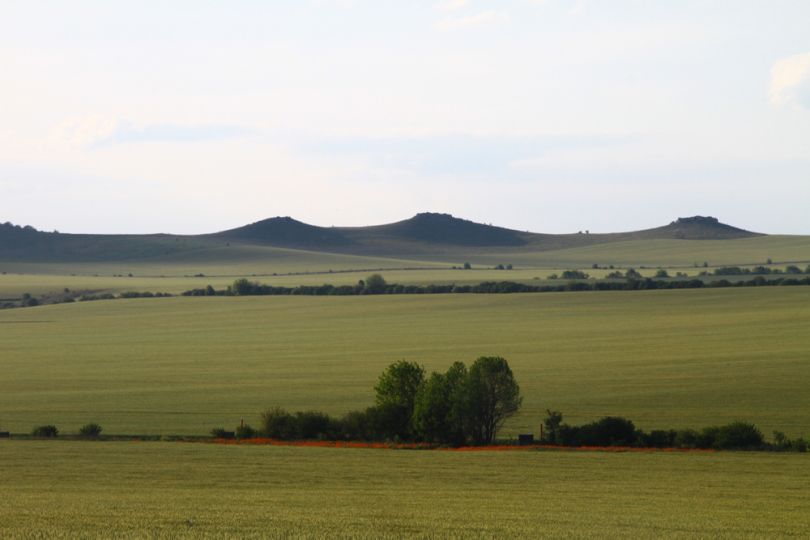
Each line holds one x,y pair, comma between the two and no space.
427,236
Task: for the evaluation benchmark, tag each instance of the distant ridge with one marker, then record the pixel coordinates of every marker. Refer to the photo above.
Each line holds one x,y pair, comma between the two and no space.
427,235
446,229
698,228
288,232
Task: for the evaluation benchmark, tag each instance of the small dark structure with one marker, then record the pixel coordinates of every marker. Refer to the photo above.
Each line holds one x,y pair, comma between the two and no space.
525,439
5,435
228,435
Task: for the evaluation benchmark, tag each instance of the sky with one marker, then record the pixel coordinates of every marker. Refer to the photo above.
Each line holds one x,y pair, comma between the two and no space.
543,115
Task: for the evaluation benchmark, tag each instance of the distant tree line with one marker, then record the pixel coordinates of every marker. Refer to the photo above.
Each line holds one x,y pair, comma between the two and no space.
458,407
27,300
759,270
377,285
618,431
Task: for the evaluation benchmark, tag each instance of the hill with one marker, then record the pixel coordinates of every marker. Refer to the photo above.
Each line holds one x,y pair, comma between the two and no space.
412,242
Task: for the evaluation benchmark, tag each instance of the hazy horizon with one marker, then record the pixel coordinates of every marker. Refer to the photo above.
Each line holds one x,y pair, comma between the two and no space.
550,116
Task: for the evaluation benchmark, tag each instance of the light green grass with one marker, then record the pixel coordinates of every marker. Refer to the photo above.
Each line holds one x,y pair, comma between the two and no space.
240,260
236,260
685,358
52,285
166,490
677,253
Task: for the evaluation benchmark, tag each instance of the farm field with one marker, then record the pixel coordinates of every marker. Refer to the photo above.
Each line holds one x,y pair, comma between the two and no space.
665,359
66,489
14,285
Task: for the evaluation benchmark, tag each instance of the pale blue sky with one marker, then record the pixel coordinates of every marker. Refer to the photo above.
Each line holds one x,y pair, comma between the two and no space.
549,115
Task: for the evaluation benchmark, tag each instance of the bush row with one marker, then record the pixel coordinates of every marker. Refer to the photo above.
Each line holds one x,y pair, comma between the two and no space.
244,287
49,431
617,431
460,406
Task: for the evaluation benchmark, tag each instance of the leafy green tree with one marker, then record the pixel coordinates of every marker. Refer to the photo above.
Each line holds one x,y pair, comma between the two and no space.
396,395
661,274
552,426
375,284
242,287
491,396
90,430
45,431
438,410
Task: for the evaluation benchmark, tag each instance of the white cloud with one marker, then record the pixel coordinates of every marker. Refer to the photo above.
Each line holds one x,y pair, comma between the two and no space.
97,131
451,5
479,19
790,80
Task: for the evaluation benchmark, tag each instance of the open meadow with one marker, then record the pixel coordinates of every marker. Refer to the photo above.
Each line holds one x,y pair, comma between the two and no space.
68,489
664,359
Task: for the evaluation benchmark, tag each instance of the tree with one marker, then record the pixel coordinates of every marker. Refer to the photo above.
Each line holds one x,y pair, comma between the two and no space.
661,273
490,396
467,266
45,431
90,430
552,426
242,287
396,395
375,284
438,413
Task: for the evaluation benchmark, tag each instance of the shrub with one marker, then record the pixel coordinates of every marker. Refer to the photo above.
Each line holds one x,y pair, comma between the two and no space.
608,431
90,430
686,438
278,424
574,274
245,432
739,436
658,438
221,433
45,431
314,425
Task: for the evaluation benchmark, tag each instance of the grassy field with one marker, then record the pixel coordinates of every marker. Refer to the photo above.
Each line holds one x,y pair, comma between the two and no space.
665,359
240,260
53,285
68,489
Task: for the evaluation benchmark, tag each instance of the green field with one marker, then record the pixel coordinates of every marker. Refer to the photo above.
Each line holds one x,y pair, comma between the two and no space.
74,489
681,358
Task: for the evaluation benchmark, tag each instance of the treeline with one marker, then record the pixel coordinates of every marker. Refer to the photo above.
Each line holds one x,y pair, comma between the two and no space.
758,270
617,431
377,285
459,407
27,300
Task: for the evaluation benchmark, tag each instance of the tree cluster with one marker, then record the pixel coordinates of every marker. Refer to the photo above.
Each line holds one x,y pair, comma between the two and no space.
759,270
244,287
617,431
460,406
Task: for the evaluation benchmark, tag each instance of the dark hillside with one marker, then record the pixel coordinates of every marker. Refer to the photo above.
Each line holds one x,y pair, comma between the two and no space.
287,232
426,236
436,228
697,228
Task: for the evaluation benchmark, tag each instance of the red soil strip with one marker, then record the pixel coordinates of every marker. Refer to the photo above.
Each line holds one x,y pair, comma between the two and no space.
425,446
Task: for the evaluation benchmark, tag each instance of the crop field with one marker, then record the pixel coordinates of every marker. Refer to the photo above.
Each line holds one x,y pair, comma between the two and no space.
665,359
165,490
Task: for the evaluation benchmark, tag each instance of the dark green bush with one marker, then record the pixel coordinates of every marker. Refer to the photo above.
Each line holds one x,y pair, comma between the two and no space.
739,436
221,433
45,431
314,425
245,432
90,430
279,424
